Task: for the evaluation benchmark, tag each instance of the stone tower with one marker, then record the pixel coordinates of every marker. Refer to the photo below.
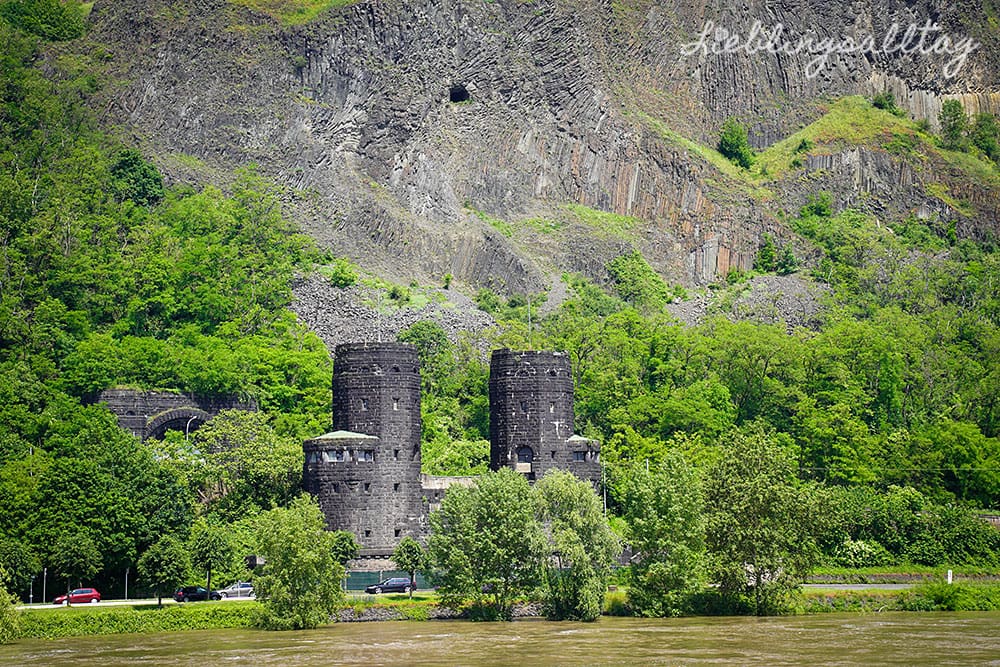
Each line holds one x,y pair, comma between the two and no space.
366,473
531,416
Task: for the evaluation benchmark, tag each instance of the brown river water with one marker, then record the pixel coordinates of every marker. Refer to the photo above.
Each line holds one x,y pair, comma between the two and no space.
911,639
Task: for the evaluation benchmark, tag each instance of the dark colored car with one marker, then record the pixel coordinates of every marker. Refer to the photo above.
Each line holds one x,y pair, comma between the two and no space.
391,585
195,594
78,595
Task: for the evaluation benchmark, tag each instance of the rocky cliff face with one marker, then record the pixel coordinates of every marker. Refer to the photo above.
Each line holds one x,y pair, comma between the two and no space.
417,136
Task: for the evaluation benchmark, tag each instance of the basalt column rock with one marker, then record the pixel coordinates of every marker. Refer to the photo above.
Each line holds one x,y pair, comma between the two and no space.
531,416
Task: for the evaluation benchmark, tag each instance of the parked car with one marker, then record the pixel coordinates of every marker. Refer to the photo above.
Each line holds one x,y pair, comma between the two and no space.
239,589
78,595
195,594
391,585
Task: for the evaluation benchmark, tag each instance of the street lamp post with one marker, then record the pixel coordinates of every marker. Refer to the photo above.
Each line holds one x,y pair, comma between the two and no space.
45,576
31,590
188,426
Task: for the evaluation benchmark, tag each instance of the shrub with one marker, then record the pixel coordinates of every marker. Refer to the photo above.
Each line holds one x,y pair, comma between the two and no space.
735,145
954,123
49,19
862,553
54,623
616,604
887,102
340,274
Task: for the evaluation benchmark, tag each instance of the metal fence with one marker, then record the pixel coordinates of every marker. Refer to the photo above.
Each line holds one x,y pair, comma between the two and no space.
357,580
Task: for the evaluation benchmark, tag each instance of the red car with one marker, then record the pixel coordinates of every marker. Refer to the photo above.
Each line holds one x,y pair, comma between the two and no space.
78,595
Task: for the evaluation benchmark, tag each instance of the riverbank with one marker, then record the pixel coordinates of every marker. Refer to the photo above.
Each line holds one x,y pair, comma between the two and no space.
143,619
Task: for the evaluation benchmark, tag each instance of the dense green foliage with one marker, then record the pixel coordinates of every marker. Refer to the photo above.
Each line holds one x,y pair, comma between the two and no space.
501,539
734,143
663,512
299,584
486,544
56,623
759,531
582,545
10,621
164,566
108,278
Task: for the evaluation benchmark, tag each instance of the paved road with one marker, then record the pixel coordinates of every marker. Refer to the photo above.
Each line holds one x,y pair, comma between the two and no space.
860,587
120,603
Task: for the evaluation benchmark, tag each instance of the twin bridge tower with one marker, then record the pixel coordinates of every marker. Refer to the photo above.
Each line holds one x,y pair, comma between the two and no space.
366,472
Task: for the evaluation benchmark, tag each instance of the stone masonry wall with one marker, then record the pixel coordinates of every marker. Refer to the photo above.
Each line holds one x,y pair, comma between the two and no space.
531,416
149,414
376,392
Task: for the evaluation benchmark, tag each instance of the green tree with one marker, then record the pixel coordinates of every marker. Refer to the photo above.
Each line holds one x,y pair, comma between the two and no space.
299,583
638,283
248,467
663,511
211,548
136,179
787,263
767,256
345,546
954,123
20,563
985,135
734,143
76,558
409,556
758,537
583,546
10,619
164,566
486,544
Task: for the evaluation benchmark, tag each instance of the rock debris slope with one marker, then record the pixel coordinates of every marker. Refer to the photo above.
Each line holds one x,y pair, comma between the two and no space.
488,139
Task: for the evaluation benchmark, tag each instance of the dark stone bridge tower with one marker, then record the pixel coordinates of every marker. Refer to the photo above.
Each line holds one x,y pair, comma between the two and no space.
366,473
531,416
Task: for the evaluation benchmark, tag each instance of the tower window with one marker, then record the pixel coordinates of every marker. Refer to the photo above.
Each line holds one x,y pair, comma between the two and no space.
525,455
579,456
552,407
395,455
395,404
397,532
364,403
458,93
368,487
395,486
524,406
368,533
553,455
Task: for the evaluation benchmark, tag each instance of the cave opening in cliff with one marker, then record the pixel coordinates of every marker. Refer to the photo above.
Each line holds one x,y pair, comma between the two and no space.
458,93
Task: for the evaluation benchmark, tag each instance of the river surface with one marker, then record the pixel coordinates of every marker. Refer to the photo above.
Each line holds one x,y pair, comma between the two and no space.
910,639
